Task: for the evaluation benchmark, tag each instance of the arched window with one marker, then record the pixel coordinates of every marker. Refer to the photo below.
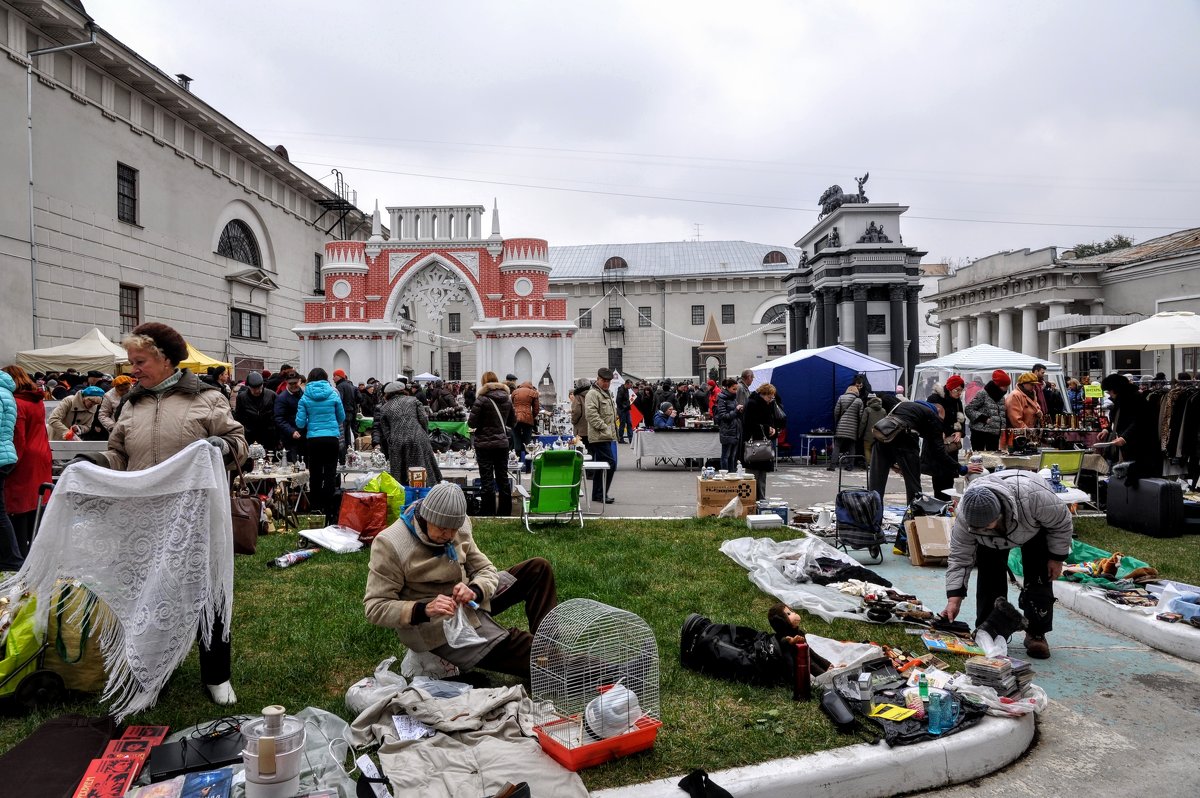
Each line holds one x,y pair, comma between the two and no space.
615,262
775,314
773,257
238,243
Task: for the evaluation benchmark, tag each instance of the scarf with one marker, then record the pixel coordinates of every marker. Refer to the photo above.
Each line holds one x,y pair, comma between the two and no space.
415,528
169,382
156,546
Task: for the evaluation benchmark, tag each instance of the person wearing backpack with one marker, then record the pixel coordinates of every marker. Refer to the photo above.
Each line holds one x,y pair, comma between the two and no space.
898,439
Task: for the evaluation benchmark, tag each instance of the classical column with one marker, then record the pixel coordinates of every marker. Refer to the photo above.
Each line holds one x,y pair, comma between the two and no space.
845,325
860,319
800,341
962,337
983,328
913,295
896,323
1029,331
830,298
1004,329
1054,337
945,338
819,324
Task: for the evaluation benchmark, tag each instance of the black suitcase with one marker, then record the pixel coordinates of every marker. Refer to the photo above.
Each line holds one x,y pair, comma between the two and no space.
1151,507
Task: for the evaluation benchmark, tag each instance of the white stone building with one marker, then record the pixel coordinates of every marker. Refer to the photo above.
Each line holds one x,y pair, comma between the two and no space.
147,205
1039,301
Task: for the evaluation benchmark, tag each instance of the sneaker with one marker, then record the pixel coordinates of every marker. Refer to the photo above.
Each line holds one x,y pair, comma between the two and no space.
1037,647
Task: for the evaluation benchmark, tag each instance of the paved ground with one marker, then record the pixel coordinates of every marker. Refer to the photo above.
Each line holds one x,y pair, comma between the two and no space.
1122,719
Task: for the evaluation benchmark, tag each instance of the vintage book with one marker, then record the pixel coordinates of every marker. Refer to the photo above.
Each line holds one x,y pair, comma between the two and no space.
137,749
938,641
155,734
107,778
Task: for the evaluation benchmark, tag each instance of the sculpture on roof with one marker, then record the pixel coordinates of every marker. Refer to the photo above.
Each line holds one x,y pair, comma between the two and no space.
834,197
874,235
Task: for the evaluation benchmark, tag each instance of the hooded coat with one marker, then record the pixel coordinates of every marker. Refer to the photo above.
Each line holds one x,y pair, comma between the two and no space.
321,412
32,447
872,413
491,424
986,410
155,426
70,411
8,419
1028,506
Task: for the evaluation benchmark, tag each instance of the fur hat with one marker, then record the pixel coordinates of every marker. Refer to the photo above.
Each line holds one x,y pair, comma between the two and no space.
445,506
1001,378
979,507
1028,376
953,382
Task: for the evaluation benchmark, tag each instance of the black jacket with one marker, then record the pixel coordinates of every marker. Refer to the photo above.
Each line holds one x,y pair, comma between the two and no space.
926,426
257,416
758,417
491,428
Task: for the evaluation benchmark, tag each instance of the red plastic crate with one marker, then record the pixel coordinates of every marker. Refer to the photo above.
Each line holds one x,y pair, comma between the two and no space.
599,752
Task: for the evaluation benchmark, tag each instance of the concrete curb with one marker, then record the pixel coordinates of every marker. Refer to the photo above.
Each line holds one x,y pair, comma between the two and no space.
1177,639
867,771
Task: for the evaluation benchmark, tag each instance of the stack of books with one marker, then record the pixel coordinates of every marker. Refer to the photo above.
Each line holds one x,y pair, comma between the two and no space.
993,672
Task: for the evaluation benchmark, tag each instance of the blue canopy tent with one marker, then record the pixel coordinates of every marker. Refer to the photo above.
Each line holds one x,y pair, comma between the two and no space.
809,382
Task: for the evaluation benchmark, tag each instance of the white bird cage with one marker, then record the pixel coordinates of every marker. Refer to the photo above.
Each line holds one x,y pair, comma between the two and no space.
594,679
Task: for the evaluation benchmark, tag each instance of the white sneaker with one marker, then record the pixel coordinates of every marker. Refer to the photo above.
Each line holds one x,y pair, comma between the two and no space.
222,693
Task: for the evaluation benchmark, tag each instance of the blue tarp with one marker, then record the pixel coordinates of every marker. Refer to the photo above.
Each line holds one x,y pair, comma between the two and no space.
809,382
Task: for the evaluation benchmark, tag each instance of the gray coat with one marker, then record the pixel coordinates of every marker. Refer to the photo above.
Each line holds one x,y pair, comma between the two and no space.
987,413
403,424
847,416
729,422
1029,507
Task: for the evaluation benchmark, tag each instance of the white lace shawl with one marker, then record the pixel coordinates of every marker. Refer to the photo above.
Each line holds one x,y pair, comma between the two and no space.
156,546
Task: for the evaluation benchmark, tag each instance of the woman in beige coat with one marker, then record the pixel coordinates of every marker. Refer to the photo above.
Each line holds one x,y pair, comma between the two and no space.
167,410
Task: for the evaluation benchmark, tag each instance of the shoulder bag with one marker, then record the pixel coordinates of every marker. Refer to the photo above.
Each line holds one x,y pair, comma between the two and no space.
759,455
887,428
247,514
508,433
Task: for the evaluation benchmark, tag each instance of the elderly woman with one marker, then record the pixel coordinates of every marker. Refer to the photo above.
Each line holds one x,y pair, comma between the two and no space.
758,423
1021,406
167,410
403,424
111,403
32,448
77,415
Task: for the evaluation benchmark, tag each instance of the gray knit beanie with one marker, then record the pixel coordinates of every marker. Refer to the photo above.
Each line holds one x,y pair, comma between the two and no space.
445,506
979,507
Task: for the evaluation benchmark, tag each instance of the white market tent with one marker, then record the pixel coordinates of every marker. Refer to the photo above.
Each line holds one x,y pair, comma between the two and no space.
426,377
809,381
1167,330
978,363
92,352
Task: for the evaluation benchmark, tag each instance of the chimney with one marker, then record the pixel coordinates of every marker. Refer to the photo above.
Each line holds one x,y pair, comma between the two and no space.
184,81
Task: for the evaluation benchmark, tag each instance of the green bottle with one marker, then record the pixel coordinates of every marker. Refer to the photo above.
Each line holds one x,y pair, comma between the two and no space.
923,688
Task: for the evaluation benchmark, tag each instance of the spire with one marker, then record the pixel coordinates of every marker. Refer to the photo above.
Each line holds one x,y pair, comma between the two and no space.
495,219
376,224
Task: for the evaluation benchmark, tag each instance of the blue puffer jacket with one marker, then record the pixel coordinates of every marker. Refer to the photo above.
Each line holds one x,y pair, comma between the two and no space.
320,411
8,419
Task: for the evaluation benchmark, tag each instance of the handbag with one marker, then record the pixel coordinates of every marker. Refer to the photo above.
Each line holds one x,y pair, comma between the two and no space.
887,428
759,455
247,516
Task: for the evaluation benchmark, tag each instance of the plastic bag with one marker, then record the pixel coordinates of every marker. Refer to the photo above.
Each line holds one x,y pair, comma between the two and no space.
386,484
364,512
459,632
368,690
735,509
426,664
1034,700
338,539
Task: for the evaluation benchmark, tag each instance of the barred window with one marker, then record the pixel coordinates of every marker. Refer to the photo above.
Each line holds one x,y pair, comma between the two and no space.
697,315
131,308
455,326
318,284
238,243
644,317
244,324
727,314
616,359
614,318
585,319
775,314
454,364
127,179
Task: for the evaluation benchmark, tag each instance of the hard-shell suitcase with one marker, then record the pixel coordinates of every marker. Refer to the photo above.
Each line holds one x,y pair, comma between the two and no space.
1151,507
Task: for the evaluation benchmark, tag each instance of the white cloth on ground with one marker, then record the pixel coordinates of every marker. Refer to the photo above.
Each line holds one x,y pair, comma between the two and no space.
156,546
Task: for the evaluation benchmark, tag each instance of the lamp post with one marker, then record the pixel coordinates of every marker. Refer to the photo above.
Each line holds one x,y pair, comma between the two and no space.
90,26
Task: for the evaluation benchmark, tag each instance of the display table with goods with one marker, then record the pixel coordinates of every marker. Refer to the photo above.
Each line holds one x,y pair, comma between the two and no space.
675,446
455,427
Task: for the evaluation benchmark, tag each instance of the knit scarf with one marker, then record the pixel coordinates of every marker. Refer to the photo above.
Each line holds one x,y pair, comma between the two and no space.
169,382
416,528
156,546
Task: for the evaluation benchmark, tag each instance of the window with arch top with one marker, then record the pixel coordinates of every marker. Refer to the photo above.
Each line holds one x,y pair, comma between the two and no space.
615,262
774,257
238,243
775,314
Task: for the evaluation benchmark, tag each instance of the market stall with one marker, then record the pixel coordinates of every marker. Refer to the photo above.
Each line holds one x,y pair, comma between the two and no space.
675,446
1170,330
976,364
92,352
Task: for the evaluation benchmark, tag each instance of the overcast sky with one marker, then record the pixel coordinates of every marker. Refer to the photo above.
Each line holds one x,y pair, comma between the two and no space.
600,122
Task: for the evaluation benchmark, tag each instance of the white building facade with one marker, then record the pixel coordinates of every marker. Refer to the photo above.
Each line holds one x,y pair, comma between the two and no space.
147,204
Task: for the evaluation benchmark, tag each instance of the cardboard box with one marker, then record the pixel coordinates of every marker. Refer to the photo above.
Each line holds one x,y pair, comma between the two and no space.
713,494
929,540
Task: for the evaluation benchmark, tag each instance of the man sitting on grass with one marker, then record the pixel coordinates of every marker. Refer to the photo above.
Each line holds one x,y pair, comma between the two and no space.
426,566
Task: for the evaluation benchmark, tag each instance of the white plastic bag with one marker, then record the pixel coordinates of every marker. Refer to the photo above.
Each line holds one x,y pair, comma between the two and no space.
425,663
1034,700
368,690
338,539
735,509
992,646
459,632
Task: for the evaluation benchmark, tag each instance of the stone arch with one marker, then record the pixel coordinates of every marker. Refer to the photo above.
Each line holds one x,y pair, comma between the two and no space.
341,360
392,309
765,305
523,365
245,213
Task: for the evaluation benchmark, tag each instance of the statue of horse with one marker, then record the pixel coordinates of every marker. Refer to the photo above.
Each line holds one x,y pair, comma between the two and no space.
834,198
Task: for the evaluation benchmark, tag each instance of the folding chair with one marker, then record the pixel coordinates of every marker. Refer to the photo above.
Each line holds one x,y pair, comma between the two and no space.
554,485
1070,464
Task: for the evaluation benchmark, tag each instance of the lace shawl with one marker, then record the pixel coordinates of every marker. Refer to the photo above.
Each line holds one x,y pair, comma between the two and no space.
156,546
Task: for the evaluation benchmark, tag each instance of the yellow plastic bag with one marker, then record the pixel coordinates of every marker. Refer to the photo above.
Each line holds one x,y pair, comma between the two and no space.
73,638
20,647
384,482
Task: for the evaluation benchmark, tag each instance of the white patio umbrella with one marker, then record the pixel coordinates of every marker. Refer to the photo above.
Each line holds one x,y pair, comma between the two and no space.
1167,330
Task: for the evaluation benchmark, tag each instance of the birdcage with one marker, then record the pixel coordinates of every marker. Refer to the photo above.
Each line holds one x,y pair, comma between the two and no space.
594,677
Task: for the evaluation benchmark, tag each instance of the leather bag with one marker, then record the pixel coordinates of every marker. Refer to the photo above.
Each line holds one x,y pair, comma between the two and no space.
247,514
888,428
759,456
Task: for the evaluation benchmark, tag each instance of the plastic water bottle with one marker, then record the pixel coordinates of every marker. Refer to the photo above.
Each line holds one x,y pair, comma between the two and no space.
741,471
923,689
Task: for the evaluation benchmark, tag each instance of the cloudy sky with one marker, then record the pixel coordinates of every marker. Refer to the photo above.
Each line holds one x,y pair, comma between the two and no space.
1002,125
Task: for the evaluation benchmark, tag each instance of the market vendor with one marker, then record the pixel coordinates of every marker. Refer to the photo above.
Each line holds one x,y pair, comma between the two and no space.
426,566
997,513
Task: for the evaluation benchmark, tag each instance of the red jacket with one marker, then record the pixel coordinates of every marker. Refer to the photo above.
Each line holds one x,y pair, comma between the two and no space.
33,454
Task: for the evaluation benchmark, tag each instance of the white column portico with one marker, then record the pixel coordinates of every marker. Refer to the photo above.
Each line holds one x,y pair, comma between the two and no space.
983,328
962,338
1004,329
1054,337
945,343
1029,331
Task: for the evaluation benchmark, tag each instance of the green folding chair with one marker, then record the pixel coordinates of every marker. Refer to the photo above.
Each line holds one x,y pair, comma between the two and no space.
1069,462
555,480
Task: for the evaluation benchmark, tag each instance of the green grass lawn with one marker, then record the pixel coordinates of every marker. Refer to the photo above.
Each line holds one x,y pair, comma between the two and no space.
1175,558
300,639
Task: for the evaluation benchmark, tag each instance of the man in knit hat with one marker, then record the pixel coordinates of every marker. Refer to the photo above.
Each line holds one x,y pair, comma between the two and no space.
997,513
426,568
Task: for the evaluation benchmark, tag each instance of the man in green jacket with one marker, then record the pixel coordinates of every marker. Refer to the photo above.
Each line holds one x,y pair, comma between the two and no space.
600,412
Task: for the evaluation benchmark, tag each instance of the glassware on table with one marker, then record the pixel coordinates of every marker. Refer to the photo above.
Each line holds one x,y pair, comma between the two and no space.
943,711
